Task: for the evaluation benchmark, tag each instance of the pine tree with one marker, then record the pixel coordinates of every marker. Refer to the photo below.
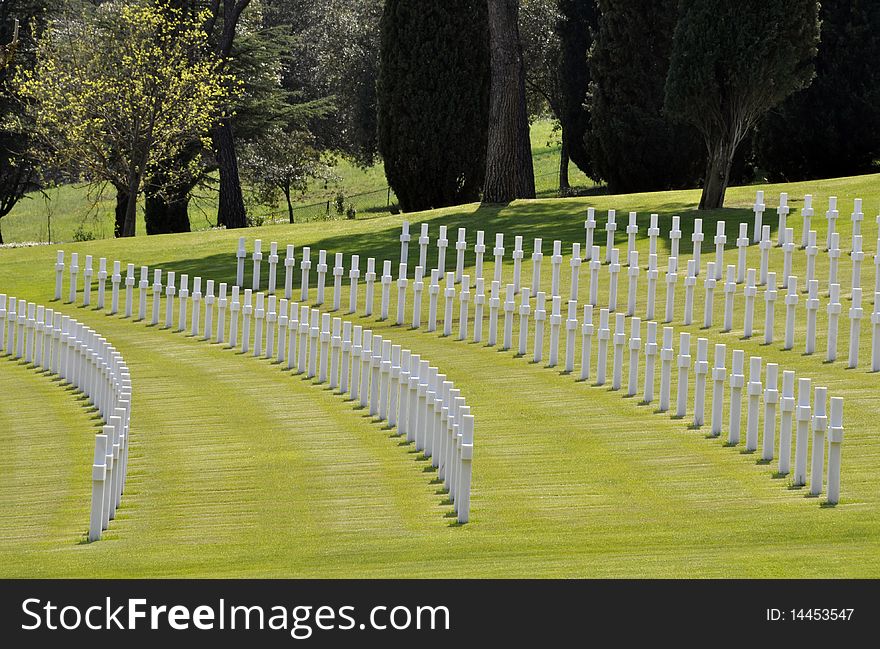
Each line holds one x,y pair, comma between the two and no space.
433,100
510,173
832,128
731,63
633,145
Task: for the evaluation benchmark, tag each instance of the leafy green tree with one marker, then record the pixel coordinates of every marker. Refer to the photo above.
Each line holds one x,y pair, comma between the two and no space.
433,93
633,146
731,63
120,89
257,102
282,163
18,168
832,128
334,57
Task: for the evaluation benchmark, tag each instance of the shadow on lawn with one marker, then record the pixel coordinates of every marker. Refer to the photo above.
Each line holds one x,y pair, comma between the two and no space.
561,219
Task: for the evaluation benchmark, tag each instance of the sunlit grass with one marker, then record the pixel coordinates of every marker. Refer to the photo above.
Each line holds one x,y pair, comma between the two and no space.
242,469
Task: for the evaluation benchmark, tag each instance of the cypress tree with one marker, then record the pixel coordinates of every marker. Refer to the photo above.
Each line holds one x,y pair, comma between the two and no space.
833,127
633,145
433,92
575,27
731,63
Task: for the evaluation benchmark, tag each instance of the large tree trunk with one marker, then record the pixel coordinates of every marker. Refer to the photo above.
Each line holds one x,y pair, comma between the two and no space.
564,183
230,210
128,226
165,216
509,170
717,175
119,212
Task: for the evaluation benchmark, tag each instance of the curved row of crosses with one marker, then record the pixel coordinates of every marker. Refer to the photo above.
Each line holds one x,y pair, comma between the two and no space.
252,304
47,340
809,417
394,384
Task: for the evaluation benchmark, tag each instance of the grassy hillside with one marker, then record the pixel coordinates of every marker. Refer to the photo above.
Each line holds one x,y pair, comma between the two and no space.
241,469
62,211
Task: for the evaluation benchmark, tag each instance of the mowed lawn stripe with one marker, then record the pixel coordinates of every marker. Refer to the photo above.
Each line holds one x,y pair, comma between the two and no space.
47,438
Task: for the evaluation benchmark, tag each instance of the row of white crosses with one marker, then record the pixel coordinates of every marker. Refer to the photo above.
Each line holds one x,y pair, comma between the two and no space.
620,341
510,307
784,418
48,340
305,266
735,275
761,235
738,274
807,213
786,241
616,342
675,235
397,385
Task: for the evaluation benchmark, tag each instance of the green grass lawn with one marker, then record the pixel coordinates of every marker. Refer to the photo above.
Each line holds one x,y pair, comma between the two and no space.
62,211
238,468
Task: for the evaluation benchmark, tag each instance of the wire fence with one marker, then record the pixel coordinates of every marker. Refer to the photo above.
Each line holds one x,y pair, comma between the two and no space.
378,202
341,206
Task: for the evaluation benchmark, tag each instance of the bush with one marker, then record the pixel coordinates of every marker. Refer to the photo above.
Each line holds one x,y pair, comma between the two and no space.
339,201
351,212
255,220
82,234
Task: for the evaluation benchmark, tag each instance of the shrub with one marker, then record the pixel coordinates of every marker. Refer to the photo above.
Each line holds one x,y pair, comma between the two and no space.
81,234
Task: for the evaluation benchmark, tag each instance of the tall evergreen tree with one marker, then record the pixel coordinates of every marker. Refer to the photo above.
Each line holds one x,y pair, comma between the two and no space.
731,63
433,100
833,127
633,145
576,26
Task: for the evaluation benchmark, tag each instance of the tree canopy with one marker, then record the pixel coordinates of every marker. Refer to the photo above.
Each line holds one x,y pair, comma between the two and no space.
113,114
833,127
731,63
